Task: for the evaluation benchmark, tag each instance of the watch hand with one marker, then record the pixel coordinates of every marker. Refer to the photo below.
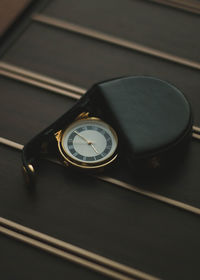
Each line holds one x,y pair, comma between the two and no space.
79,143
94,148
89,143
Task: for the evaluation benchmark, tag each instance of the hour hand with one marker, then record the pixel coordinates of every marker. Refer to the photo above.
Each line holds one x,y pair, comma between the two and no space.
86,140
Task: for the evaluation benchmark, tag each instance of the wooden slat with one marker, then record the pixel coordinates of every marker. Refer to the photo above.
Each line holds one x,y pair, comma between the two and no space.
130,45
192,6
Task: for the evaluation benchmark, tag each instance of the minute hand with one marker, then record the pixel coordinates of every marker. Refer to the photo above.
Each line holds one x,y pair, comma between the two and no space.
89,142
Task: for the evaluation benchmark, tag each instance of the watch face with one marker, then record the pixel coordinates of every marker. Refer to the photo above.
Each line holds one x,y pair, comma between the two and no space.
89,142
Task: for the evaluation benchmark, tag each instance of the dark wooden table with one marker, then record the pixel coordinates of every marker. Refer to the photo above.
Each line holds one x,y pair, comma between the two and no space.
130,228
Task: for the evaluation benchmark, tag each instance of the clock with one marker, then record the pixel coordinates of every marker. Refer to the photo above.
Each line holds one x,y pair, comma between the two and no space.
88,143
153,120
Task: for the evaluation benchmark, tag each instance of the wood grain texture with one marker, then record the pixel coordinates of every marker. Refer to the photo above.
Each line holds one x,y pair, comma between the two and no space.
102,218
192,6
26,110
20,261
94,61
124,226
144,22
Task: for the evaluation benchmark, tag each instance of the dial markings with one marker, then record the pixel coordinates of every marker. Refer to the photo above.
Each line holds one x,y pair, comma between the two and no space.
89,141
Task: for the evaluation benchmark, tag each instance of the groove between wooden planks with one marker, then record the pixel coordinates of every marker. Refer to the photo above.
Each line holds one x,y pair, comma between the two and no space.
124,185
78,252
30,77
51,84
192,6
130,45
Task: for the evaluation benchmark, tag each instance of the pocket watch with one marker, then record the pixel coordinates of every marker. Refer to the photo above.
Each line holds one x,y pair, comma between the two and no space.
87,143
153,120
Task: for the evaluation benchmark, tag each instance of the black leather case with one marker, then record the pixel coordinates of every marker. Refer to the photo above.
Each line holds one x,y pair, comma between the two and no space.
152,118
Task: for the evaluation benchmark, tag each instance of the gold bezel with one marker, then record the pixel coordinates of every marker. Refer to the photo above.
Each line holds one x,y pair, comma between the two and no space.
68,160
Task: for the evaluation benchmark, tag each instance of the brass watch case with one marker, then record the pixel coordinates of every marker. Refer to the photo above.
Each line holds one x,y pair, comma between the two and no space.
69,161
